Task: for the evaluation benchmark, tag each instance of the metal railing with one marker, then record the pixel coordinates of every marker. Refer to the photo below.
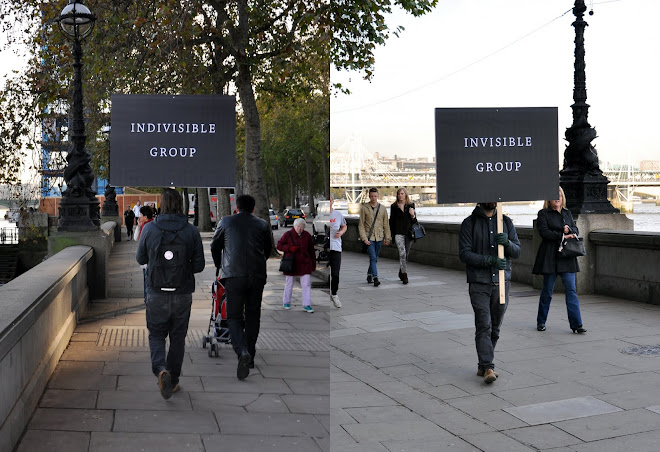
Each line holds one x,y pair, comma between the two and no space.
8,236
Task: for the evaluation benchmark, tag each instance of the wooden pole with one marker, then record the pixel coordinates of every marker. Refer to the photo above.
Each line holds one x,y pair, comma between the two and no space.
500,253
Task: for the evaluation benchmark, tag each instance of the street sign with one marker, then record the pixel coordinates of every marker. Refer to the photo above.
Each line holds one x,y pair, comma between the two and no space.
181,141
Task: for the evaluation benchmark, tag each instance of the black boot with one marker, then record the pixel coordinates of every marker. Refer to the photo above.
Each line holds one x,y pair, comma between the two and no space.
405,278
400,275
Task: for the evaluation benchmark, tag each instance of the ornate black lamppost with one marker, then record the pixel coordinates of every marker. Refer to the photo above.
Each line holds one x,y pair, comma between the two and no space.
79,209
581,177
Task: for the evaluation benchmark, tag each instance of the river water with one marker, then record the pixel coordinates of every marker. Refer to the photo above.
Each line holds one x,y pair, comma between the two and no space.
646,216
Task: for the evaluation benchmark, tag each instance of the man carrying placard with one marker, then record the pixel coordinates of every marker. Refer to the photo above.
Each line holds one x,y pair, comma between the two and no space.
477,248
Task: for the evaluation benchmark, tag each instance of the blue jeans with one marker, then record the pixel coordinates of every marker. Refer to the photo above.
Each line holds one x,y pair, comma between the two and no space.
572,303
373,250
168,315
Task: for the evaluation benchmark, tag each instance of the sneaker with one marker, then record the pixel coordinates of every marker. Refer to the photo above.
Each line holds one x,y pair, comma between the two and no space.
376,282
287,305
308,309
490,376
370,279
243,369
165,384
335,301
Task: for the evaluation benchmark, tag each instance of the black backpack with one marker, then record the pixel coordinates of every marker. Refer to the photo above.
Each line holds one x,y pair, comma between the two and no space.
171,267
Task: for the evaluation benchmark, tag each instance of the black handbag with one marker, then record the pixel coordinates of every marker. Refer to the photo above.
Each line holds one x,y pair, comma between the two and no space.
417,231
288,263
572,247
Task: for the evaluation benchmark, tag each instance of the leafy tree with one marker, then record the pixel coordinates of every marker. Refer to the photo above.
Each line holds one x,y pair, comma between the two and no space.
360,26
171,47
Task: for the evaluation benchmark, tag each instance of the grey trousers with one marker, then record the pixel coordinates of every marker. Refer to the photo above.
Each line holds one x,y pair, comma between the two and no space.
488,316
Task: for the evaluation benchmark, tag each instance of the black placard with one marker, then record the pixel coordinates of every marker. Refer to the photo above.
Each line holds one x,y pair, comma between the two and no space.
182,141
496,154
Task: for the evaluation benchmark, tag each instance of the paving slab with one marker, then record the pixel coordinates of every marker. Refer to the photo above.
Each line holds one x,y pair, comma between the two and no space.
559,410
623,423
140,442
68,398
244,443
75,420
271,424
496,441
543,437
54,441
162,421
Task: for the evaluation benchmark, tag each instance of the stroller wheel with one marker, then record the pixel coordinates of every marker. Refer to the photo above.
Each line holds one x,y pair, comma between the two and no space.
204,341
211,350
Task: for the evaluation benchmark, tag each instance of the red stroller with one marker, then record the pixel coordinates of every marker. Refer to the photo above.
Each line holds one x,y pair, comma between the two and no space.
218,331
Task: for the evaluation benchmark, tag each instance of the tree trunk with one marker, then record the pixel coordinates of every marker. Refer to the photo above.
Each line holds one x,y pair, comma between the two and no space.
253,173
325,159
310,182
224,203
186,201
291,188
204,214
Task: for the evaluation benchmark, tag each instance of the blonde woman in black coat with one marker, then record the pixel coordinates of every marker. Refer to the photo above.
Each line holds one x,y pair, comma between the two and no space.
402,216
554,223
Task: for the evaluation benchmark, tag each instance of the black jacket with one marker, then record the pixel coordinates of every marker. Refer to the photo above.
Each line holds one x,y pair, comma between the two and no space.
550,225
241,245
476,242
129,218
150,240
400,220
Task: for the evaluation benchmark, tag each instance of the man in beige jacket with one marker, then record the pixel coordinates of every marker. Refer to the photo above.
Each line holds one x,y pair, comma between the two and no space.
373,213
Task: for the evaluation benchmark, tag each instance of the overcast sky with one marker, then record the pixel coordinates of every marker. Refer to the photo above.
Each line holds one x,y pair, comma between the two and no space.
509,53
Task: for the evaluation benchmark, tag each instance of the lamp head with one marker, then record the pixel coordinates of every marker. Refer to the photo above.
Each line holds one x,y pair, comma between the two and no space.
76,20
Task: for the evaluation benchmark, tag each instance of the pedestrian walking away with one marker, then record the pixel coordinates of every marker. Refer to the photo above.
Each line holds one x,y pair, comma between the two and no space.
146,216
172,250
402,216
477,249
374,230
555,223
129,220
299,242
240,246
338,228
136,210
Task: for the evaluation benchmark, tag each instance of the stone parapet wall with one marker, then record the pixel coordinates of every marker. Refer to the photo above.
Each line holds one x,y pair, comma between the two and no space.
619,263
38,313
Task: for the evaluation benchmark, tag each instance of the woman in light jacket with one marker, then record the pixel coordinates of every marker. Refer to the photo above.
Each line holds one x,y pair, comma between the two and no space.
299,242
555,223
402,216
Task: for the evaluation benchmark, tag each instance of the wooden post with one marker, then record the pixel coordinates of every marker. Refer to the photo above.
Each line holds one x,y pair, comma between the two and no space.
500,254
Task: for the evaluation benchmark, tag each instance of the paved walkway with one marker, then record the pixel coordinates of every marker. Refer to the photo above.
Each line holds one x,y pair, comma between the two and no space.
103,397
402,374
403,370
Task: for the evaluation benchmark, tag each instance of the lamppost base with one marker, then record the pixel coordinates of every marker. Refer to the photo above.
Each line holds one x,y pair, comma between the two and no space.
586,193
75,214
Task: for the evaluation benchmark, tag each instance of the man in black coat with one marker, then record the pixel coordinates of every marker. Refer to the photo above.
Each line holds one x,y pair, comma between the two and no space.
241,244
477,248
129,219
